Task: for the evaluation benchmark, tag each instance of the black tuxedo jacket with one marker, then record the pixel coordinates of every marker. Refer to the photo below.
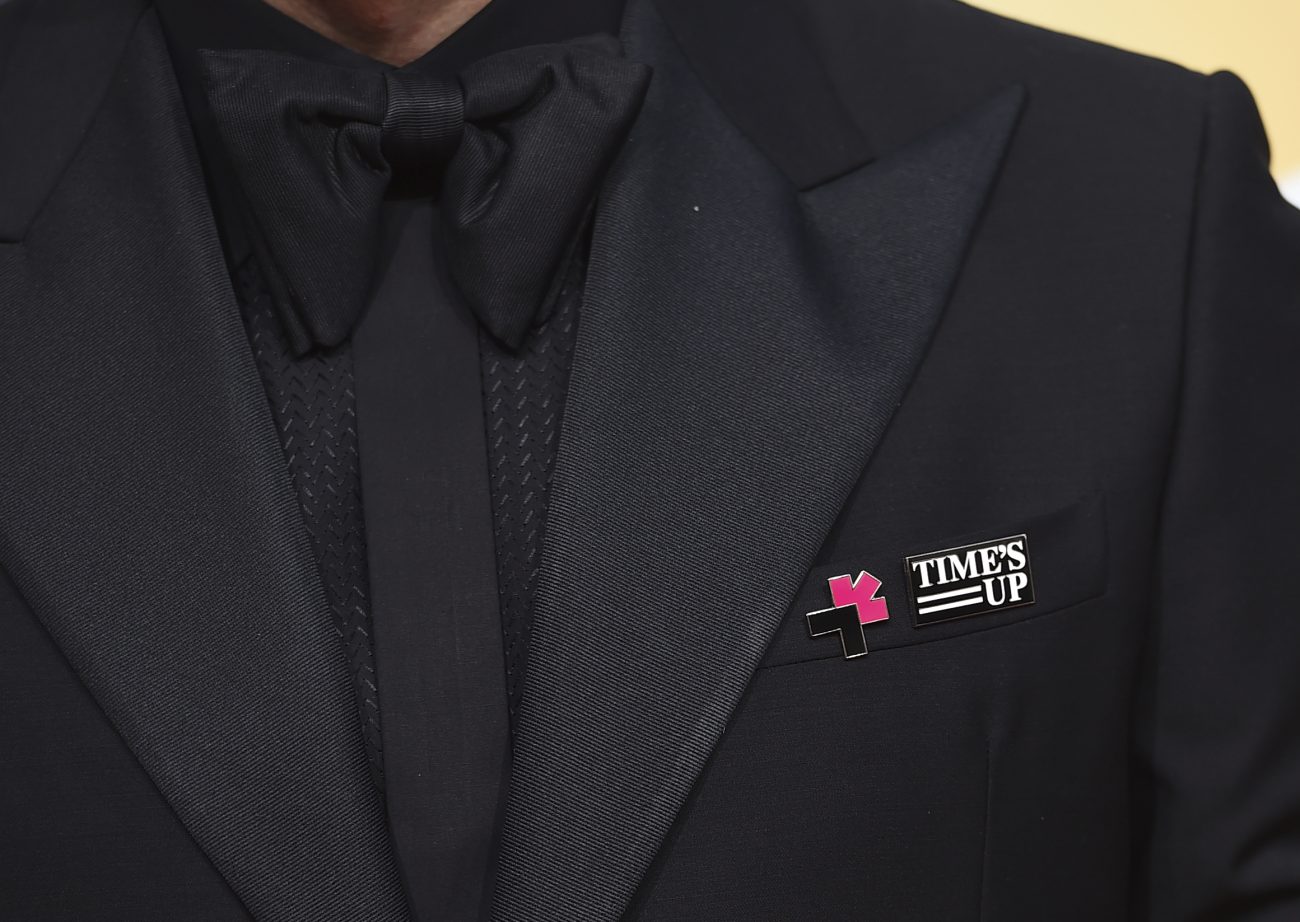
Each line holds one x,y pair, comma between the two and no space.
869,280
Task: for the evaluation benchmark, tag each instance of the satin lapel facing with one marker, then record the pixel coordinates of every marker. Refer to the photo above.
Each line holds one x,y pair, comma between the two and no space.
147,516
741,351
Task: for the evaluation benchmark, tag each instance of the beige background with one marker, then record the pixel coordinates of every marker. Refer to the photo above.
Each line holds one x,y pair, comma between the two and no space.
1258,39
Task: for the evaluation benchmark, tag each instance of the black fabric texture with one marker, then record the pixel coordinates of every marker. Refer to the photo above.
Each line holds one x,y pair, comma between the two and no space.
677,534
730,45
523,395
174,571
177,729
313,399
429,534
58,39
514,149
1219,815
439,630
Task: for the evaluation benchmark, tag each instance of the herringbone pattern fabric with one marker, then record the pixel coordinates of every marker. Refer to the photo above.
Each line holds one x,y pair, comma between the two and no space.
523,400
314,405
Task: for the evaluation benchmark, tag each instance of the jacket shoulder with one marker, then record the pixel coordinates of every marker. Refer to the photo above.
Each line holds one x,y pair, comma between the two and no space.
825,85
900,61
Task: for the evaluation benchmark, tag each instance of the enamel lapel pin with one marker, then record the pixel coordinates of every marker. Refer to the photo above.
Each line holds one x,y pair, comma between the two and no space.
974,579
957,582
855,603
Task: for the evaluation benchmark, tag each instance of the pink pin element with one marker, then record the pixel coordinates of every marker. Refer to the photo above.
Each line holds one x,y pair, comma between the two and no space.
862,593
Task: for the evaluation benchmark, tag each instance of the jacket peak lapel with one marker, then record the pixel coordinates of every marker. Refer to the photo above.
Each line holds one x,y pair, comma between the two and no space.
147,516
741,351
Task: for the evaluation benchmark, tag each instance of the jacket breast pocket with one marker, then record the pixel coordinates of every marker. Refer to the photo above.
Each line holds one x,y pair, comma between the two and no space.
945,586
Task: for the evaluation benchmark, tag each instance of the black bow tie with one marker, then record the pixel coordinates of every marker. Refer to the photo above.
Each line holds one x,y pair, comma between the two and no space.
514,150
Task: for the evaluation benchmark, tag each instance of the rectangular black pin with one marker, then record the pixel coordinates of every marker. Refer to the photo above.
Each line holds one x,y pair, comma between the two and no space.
973,579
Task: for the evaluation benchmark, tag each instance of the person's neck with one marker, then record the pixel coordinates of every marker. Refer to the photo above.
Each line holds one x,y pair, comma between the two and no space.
394,31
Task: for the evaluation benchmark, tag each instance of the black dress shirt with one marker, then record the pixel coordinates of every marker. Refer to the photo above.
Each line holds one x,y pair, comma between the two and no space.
412,375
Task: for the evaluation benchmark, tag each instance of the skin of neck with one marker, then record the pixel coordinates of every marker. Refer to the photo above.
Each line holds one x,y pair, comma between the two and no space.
393,31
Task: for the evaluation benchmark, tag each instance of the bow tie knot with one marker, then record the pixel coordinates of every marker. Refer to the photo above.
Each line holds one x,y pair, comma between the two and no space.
514,150
424,120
